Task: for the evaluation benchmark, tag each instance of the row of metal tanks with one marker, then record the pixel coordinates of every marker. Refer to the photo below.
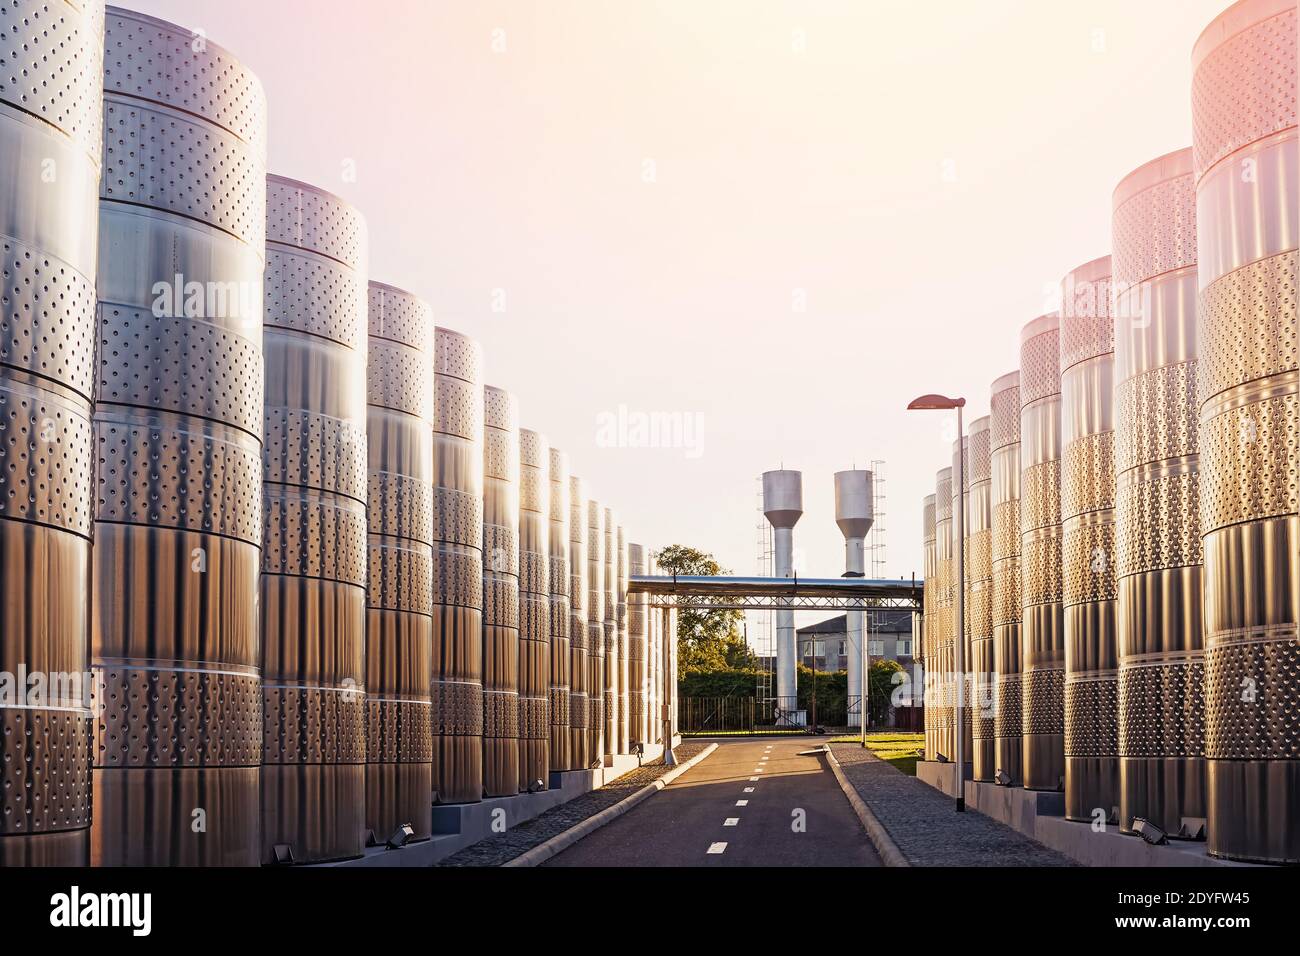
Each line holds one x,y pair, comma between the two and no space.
1132,545
280,572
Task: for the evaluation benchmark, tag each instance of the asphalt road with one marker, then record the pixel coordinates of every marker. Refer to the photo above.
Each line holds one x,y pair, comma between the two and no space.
752,802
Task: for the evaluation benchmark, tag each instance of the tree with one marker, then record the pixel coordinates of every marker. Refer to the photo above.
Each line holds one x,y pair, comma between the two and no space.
707,640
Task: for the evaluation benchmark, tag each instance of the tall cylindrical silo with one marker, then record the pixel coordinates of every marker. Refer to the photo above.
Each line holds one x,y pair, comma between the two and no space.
500,593
783,507
1159,557
854,515
1247,193
943,614
929,655
1087,343
178,435
314,560
534,611
561,753
961,629
580,728
50,141
596,627
611,636
399,612
1004,497
457,690
638,716
979,603
653,655
621,609
1042,647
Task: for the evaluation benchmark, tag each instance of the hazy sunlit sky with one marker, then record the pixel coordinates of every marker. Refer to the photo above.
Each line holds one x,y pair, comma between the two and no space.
629,202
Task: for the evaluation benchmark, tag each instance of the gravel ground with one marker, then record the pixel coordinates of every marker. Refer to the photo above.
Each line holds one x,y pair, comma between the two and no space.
503,847
923,824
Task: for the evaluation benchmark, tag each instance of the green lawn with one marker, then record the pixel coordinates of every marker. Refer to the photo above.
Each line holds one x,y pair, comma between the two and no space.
897,749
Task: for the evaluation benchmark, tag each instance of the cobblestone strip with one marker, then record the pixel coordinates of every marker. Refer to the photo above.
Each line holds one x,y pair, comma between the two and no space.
501,848
925,828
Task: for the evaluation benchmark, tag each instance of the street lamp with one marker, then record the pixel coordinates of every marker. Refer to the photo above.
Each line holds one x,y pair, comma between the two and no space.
930,403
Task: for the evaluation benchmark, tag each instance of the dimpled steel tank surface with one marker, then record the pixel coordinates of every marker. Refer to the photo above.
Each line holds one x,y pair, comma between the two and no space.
1088,544
638,716
596,627
178,444
979,602
1159,555
929,655
47,346
534,611
582,752
500,593
399,606
314,561
941,641
561,754
961,629
611,637
1244,119
457,690
1042,645
1004,495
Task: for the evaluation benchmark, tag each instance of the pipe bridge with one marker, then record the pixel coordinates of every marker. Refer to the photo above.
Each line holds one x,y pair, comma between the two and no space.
710,592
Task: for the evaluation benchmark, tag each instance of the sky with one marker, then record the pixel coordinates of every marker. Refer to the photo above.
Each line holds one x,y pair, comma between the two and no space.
750,229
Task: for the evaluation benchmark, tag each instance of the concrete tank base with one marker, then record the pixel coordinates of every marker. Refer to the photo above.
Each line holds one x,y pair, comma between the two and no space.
942,775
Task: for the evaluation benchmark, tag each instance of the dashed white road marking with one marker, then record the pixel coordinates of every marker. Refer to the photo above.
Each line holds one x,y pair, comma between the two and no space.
717,848
731,821
758,769
742,803
749,789
753,778
763,760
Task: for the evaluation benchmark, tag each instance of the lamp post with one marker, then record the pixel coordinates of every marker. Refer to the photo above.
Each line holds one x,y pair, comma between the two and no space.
929,403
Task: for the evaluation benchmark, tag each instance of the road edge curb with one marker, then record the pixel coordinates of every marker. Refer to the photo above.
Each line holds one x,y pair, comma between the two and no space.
562,841
889,852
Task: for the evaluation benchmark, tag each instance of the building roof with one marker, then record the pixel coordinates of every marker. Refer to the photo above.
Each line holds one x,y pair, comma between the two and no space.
889,621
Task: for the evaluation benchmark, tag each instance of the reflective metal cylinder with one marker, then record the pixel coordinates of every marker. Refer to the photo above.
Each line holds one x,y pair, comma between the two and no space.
943,616
500,593
979,601
534,611
854,515
783,506
638,714
1247,196
178,435
654,660
1042,643
399,607
580,727
961,629
50,150
1004,497
559,621
596,627
929,656
1159,556
610,625
623,671
314,560
1087,342
457,689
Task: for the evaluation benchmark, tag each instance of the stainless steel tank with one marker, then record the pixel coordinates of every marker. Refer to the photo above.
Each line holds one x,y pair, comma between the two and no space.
1042,646
1245,163
178,447
500,593
1159,556
943,611
457,690
929,654
961,629
638,715
783,507
534,611
560,610
610,625
596,627
654,660
1004,497
979,601
1087,343
50,150
620,608
314,556
399,607
580,722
